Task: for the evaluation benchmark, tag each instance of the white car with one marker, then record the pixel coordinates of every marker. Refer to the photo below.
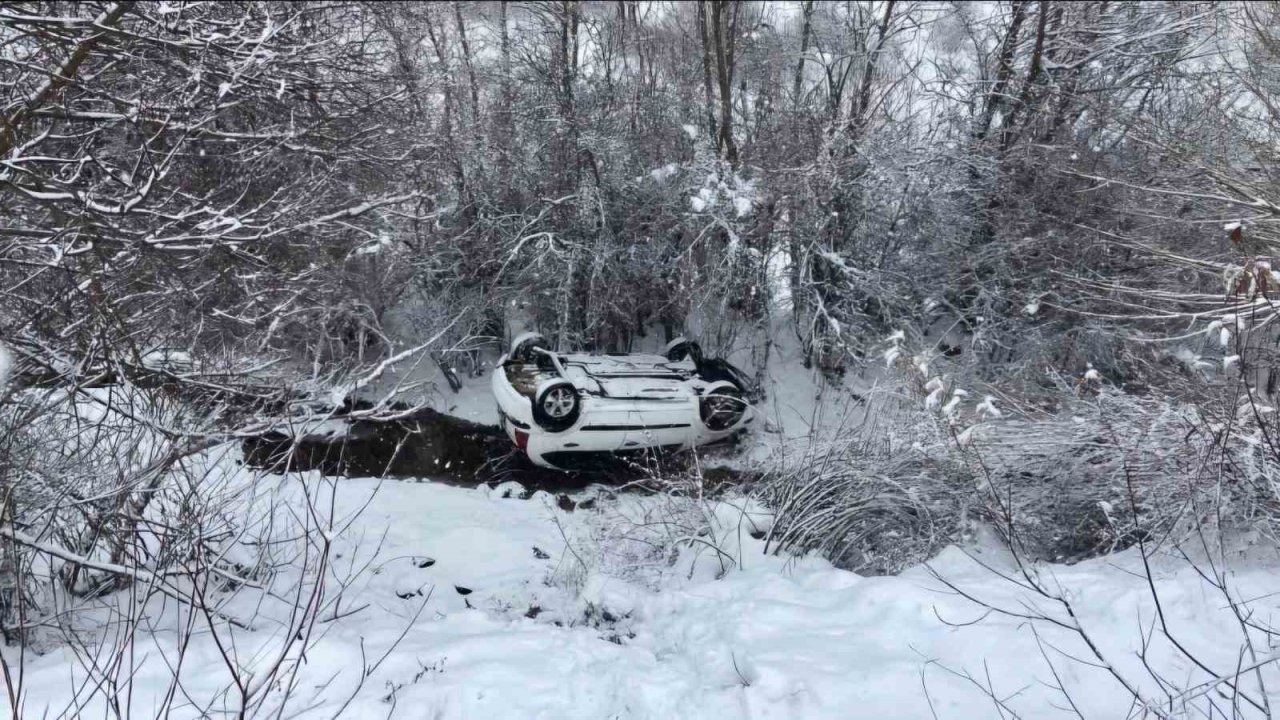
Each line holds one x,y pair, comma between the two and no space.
554,406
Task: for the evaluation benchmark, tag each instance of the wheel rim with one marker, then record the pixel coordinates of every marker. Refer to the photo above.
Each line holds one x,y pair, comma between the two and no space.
558,402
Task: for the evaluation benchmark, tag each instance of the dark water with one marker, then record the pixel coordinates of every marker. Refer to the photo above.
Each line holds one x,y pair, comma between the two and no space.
430,444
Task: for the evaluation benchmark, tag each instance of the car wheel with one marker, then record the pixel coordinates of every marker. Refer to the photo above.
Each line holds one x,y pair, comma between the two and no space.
682,348
722,406
522,347
556,405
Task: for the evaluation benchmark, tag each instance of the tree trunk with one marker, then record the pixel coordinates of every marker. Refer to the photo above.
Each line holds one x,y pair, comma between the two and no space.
861,110
725,32
506,114
797,85
568,66
1010,132
1004,71
446,123
705,34
476,135
466,61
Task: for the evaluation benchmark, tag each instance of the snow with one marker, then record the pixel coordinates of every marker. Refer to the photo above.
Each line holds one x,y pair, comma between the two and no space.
565,619
933,400
374,246
987,408
921,364
662,174
168,359
954,403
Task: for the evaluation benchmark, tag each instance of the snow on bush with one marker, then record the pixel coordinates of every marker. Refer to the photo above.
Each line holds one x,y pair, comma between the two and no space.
1086,476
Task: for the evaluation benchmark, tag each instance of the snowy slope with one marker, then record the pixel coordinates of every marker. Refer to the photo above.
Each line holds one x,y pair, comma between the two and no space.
590,624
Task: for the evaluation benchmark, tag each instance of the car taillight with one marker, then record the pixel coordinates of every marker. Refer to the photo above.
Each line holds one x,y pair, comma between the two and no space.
522,441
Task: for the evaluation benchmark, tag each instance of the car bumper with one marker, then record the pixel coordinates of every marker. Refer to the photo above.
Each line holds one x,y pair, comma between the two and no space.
544,448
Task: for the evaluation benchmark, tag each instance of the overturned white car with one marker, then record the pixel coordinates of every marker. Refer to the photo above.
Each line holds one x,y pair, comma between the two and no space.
556,406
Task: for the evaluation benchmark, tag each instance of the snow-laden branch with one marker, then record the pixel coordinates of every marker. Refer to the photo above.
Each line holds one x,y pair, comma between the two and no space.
134,573
60,77
341,393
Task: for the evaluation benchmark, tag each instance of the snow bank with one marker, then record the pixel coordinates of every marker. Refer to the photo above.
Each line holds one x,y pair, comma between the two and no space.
486,611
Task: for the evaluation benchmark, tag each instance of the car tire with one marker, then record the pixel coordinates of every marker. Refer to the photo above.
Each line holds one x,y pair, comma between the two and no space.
522,347
681,348
556,405
722,406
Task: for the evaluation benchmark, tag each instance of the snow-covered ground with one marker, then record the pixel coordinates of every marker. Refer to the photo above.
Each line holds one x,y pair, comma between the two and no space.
584,613
455,602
